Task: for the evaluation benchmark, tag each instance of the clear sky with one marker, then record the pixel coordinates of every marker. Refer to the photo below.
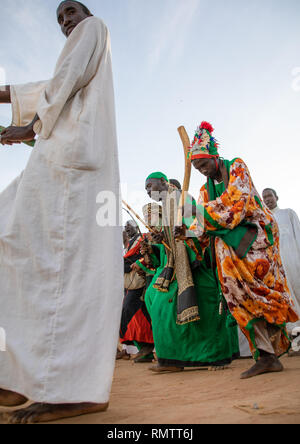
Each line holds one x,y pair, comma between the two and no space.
234,63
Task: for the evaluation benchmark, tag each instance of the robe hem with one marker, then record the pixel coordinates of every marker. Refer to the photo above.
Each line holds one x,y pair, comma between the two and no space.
250,329
177,363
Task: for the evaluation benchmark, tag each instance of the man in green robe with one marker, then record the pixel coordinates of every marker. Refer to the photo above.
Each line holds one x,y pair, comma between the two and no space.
184,297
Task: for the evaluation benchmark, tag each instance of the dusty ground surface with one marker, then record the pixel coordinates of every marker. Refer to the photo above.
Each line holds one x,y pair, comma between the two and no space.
201,397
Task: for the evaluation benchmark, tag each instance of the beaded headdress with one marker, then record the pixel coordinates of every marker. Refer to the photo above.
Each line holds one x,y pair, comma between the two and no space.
204,144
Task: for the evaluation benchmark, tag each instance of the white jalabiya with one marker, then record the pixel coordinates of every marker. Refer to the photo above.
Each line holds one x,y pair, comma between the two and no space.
61,274
245,351
289,231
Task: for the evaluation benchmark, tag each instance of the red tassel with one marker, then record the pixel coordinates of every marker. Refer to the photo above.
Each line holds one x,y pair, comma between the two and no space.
207,126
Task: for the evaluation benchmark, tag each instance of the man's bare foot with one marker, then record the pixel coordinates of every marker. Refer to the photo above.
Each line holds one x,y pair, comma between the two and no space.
216,368
144,351
123,355
267,364
51,412
163,369
11,399
142,360
155,359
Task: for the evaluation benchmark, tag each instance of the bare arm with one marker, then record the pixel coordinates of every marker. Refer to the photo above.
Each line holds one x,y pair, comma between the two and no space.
5,94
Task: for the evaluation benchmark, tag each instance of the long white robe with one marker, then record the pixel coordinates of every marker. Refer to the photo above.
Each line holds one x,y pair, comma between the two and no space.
289,231
61,274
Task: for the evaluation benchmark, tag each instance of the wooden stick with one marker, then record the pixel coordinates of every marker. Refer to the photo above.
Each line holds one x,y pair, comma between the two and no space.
144,223
187,172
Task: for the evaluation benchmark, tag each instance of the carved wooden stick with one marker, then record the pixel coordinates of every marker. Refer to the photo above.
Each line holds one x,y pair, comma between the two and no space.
187,172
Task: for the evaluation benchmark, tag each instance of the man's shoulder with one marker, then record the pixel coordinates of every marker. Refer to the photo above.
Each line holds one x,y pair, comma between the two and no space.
289,211
98,21
237,160
93,23
292,213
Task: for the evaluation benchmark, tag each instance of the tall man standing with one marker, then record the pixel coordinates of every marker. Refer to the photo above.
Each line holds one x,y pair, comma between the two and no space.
244,243
60,307
289,232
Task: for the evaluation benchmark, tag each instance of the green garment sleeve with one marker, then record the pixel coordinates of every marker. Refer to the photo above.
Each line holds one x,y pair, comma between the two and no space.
145,269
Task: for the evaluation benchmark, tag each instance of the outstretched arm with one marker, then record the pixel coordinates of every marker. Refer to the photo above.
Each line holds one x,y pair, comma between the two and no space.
5,94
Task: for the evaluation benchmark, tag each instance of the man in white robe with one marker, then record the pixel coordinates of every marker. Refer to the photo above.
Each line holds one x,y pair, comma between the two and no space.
61,268
289,230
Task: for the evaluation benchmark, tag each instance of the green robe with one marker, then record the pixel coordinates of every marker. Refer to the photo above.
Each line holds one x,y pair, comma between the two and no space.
211,341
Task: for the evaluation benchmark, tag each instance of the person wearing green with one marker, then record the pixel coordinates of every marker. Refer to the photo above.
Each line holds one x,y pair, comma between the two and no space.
184,298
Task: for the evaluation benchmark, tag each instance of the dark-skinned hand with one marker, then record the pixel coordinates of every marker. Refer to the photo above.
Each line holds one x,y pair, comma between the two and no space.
17,134
145,248
157,238
180,232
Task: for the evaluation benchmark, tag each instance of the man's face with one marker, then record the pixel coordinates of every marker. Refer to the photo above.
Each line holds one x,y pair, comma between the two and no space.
69,15
155,188
130,230
270,199
207,167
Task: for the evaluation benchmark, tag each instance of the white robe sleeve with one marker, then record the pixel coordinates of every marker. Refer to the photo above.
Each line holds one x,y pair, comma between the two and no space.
24,100
76,67
296,227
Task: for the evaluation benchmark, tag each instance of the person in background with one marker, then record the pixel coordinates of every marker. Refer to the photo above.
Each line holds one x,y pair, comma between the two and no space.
289,237
135,329
175,183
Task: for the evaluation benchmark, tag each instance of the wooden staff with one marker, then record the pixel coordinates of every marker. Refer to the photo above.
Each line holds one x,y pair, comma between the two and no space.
141,220
187,172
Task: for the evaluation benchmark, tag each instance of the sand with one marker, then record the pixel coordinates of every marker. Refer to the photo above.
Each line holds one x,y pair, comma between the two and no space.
201,397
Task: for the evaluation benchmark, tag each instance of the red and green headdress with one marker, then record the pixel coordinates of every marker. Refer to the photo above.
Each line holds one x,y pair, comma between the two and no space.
204,144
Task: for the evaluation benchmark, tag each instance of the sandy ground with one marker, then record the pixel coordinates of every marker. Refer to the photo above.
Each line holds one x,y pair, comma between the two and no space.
201,397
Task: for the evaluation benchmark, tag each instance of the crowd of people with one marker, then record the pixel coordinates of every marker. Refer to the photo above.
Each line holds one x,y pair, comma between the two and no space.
225,284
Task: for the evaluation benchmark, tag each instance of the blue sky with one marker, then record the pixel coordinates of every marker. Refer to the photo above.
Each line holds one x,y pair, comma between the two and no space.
178,62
